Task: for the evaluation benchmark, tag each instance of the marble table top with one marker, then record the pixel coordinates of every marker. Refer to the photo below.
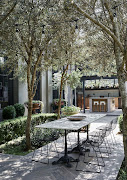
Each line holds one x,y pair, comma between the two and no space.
67,124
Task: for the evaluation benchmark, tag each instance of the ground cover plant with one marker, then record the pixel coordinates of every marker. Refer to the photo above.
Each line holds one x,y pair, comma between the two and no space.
122,172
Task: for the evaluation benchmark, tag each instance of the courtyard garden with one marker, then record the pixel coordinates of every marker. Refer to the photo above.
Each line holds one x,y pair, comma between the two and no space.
51,45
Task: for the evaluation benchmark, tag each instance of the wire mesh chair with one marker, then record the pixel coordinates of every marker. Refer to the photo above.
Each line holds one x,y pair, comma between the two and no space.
109,132
114,124
94,143
47,151
108,128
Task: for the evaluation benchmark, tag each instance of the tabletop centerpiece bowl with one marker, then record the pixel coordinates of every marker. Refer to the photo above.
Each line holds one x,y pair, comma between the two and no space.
76,118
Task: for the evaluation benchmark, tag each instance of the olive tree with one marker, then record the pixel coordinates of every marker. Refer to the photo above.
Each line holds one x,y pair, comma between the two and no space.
26,35
110,17
60,53
7,7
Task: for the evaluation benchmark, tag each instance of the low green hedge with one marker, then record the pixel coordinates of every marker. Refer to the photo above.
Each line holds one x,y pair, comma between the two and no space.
120,120
20,109
9,112
11,129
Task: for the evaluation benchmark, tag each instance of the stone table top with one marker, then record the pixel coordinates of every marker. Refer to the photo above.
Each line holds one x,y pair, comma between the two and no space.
67,124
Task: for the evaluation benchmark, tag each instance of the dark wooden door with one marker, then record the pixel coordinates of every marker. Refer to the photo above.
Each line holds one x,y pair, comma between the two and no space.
99,105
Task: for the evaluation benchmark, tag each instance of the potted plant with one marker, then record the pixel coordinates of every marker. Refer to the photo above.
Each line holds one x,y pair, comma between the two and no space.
37,104
55,104
70,110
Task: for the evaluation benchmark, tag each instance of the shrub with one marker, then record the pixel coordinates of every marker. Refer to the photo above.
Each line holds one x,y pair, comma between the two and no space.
120,120
44,134
20,109
9,112
55,102
12,129
122,175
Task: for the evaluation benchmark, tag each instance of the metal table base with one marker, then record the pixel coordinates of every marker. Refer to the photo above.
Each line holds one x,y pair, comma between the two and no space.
66,158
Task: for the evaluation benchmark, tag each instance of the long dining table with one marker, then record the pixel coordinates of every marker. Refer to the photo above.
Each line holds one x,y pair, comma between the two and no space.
74,125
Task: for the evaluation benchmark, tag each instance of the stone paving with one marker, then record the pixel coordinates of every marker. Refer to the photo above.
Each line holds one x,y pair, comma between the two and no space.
22,168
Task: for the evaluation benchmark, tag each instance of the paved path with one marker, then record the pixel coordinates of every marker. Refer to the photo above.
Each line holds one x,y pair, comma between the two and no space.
21,167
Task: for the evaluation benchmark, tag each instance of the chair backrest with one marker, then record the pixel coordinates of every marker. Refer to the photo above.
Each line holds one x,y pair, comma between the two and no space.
114,124
109,128
98,139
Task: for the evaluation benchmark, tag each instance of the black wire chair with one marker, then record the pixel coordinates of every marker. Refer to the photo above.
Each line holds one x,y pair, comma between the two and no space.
114,124
94,143
109,132
47,151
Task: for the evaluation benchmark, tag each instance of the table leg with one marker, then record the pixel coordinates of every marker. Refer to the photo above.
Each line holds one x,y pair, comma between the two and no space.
66,159
87,138
78,148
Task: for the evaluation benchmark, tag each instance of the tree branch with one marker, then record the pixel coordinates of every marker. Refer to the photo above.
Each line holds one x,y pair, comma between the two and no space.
10,11
103,27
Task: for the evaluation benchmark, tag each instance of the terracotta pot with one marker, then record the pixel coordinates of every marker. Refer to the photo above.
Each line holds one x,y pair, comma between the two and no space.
36,106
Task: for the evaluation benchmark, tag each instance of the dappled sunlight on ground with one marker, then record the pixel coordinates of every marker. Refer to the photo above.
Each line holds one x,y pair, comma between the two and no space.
22,168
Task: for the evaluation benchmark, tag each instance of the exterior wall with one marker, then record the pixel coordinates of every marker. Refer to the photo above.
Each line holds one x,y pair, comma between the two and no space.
50,91
111,105
22,94
46,91
43,90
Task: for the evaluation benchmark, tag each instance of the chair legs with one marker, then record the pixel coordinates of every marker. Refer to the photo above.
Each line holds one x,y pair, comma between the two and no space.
98,164
44,152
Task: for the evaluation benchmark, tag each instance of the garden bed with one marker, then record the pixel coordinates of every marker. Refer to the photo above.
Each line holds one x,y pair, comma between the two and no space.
14,128
13,140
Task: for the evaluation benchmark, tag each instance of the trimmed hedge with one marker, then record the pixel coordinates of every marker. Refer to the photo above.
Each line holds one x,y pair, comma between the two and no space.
120,120
20,109
9,112
11,129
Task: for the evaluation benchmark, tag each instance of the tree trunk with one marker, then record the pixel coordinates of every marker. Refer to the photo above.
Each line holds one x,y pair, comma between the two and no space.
59,103
122,79
123,91
28,125
30,98
63,79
